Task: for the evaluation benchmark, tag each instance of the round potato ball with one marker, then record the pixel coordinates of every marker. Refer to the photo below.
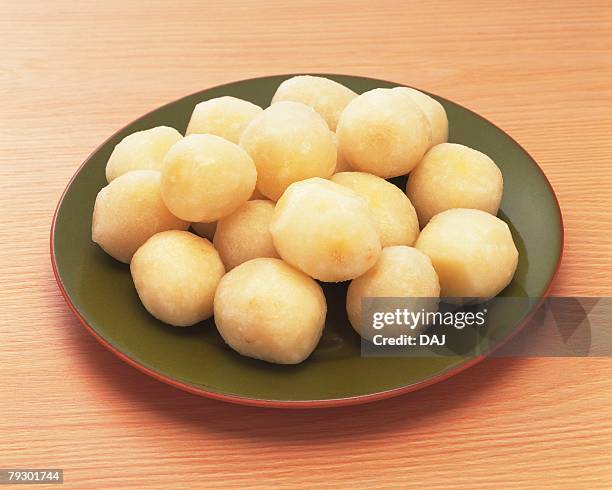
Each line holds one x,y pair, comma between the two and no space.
245,234
205,230
454,176
326,230
289,142
129,211
383,132
433,110
325,96
472,252
266,309
143,150
394,214
401,272
224,116
206,177
176,274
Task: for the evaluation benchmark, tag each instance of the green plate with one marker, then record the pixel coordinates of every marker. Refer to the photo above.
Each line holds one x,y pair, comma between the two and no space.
100,291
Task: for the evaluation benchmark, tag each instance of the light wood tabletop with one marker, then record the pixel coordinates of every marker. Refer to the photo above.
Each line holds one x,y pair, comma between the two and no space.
72,73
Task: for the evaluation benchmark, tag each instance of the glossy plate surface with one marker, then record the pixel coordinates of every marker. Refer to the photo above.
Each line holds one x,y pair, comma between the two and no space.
100,292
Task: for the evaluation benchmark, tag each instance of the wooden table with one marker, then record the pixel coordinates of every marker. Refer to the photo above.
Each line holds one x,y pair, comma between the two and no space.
73,73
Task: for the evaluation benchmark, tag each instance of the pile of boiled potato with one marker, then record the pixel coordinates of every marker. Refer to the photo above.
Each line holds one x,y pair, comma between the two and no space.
283,197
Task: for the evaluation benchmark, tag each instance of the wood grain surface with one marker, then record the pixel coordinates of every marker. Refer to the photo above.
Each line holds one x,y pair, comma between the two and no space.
73,73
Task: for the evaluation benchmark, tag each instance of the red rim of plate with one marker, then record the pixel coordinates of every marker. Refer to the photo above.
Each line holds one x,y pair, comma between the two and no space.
331,402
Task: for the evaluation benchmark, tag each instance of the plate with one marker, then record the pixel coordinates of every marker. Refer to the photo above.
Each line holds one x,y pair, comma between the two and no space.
100,292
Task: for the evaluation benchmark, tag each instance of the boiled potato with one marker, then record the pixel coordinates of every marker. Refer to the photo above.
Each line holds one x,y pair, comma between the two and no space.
205,230
176,274
394,214
129,211
472,252
325,96
433,110
454,176
266,309
401,272
224,116
383,132
206,177
143,150
245,234
326,230
288,142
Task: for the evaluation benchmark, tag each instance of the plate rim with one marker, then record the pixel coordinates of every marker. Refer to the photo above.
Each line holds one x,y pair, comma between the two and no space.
317,403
